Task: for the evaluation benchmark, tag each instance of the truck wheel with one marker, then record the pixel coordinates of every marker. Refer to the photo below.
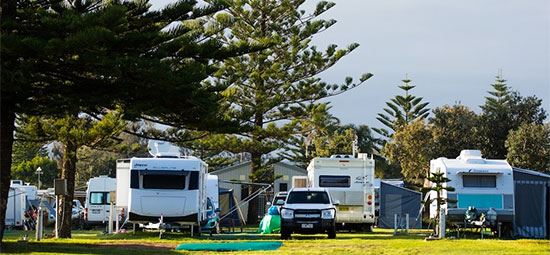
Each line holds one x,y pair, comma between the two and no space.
285,234
332,233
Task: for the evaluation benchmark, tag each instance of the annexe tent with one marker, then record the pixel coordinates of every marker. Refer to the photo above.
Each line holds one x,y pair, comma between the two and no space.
227,204
401,201
532,201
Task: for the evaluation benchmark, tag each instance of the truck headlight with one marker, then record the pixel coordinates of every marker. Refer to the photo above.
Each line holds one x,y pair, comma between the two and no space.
328,214
287,213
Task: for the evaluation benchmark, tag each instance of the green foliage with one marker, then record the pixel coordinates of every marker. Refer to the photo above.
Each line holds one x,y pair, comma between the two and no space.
438,185
321,135
269,91
502,112
454,128
402,110
26,150
73,132
63,58
529,147
83,130
411,146
92,163
26,171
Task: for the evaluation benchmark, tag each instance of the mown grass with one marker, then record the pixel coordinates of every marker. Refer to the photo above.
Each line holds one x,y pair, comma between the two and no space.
379,242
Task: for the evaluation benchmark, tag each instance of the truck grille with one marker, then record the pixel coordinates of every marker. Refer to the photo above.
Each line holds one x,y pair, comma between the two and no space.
307,214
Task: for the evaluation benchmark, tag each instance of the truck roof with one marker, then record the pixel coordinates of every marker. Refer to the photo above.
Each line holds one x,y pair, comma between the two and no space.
307,189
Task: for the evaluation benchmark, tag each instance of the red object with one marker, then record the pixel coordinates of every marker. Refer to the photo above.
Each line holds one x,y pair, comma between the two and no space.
369,202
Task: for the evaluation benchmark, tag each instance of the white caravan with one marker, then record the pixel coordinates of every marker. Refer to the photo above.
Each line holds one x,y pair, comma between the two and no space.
20,198
98,199
173,188
479,183
350,182
15,210
30,190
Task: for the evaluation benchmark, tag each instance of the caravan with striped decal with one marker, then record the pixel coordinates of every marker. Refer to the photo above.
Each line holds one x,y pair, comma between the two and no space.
483,185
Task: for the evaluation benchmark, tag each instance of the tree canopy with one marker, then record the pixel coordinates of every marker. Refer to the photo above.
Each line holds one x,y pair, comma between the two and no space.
529,147
411,146
402,110
268,91
454,128
505,110
63,58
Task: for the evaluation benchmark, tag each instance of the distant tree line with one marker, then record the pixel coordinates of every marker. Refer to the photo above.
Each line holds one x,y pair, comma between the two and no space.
509,126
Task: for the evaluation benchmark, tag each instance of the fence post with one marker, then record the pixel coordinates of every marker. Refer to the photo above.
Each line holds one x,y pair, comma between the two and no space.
407,222
395,224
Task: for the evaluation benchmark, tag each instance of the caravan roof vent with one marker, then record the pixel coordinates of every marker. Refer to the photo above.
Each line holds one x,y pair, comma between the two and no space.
471,156
17,182
341,156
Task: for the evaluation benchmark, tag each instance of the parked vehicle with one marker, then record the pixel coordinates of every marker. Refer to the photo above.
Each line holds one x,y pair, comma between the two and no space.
16,207
481,185
278,200
167,186
22,201
350,182
308,211
97,203
212,222
30,190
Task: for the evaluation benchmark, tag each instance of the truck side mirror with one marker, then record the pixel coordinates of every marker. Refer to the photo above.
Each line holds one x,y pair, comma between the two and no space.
336,202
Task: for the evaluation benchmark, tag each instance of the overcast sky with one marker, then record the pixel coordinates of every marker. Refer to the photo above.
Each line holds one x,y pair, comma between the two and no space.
450,49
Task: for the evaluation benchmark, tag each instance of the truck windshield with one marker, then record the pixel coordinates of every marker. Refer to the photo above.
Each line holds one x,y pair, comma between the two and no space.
308,197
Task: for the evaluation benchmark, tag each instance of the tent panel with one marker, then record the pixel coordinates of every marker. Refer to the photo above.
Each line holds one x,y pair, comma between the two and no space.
400,201
530,217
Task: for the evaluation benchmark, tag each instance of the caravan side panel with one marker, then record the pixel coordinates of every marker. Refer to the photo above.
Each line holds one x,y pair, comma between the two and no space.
15,209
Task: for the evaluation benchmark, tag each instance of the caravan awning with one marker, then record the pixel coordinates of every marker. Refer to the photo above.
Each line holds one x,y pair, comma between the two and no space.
480,172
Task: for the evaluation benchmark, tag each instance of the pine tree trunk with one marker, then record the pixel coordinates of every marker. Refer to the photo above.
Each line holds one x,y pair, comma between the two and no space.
253,205
256,157
7,127
438,216
68,172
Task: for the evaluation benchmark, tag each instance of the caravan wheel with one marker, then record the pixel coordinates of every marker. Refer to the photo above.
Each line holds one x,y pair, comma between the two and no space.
368,228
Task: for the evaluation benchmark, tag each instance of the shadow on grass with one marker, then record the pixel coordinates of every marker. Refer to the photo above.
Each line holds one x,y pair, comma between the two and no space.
243,236
69,248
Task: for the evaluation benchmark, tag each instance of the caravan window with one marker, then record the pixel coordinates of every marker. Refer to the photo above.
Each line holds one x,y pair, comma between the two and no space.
99,198
163,181
479,181
334,181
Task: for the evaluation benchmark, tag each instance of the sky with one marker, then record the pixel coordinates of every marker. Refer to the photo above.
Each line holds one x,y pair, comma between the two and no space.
451,50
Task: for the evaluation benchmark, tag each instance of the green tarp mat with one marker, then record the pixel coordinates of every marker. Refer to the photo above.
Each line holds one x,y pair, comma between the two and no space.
270,224
230,246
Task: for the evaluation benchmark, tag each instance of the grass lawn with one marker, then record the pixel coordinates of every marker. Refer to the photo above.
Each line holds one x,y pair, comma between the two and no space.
380,242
